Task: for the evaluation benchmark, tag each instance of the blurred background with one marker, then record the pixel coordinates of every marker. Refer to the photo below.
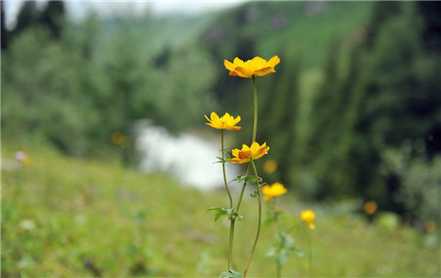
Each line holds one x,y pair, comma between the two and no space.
93,90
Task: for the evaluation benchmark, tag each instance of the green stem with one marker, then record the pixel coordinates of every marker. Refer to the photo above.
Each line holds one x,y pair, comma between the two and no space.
255,109
230,244
232,219
242,191
259,222
224,171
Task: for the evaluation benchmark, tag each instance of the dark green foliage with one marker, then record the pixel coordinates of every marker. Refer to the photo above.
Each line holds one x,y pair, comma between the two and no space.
389,98
279,121
430,11
381,13
41,93
420,184
332,123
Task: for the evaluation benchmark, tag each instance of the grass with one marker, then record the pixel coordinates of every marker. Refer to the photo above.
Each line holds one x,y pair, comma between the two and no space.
65,217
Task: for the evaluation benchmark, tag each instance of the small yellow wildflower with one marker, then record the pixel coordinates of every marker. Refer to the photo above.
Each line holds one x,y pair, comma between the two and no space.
257,66
272,191
370,207
270,166
308,216
246,154
118,138
226,122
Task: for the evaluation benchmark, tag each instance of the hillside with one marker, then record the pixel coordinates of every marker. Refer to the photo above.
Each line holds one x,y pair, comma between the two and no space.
75,218
294,28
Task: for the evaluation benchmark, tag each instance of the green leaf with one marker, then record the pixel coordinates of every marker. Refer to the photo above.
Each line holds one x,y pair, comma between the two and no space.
220,160
220,212
239,178
251,179
230,274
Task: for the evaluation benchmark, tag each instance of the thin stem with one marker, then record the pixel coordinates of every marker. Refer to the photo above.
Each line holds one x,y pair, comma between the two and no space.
224,171
255,109
259,222
230,244
242,191
232,220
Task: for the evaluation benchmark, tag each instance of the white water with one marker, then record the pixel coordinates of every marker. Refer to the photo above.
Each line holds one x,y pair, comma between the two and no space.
191,159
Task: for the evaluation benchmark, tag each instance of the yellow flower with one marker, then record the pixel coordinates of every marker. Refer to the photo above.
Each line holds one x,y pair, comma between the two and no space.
270,166
274,190
370,207
246,154
257,66
227,121
308,216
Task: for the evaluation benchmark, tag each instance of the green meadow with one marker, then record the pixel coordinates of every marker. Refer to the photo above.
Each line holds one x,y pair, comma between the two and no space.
66,217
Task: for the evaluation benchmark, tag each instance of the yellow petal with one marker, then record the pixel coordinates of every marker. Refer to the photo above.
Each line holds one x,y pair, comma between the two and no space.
264,71
237,120
257,63
234,128
244,72
274,61
214,116
228,65
212,125
238,62
255,147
